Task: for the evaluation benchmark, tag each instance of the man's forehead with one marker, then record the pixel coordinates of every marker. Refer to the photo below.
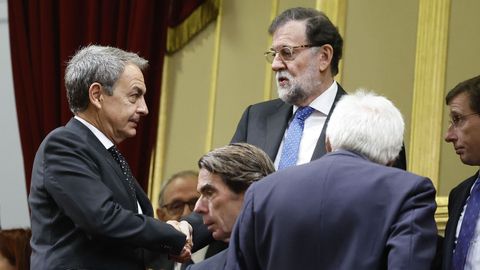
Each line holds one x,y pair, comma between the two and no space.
207,179
460,103
290,33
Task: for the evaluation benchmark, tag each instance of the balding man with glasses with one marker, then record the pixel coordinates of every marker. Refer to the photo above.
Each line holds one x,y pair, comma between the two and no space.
305,53
461,248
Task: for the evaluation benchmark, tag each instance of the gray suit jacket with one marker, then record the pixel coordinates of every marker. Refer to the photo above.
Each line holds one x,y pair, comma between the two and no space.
338,212
264,125
82,216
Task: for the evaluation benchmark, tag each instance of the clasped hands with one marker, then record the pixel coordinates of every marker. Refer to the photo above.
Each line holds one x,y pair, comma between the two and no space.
185,228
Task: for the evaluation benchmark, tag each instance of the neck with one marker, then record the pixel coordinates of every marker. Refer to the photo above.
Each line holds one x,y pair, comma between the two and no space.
322,87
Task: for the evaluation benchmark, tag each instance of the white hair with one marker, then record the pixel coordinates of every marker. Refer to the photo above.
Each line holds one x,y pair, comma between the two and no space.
368,124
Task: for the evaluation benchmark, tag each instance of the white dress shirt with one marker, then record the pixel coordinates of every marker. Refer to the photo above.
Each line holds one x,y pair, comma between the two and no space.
104,140
473,257
313,125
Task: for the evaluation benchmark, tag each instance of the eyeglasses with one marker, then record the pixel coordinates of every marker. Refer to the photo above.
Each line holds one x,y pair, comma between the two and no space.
176,207
286,53
457,120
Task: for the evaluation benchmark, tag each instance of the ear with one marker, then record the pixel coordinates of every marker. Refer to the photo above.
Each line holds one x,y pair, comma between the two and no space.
325,54
95,94
328,146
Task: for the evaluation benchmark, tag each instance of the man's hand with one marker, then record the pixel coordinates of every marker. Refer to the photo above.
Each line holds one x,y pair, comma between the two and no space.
186,229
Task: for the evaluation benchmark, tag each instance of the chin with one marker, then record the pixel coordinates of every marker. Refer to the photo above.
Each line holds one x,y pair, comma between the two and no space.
218,236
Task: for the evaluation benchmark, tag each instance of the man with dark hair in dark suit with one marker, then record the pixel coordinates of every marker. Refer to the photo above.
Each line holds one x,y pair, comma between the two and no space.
225,174
461,247
305,53
87,209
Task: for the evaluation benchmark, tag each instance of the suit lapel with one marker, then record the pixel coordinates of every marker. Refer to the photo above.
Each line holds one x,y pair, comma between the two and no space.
320,147
459,198
277,122
121,178
97,146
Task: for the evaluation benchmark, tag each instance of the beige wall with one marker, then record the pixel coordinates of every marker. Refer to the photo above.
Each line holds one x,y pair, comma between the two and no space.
463,63
207,97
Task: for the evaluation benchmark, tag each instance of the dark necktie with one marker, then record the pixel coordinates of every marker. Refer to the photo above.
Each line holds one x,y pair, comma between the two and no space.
125,169
467,230
293,137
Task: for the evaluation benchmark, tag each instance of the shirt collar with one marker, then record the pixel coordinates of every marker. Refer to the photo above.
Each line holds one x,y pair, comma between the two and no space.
100,136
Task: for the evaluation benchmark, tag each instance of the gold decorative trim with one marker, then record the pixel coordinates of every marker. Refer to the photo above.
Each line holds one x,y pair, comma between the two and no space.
213,88
158,155
267,85
179,36
428,88
336,10
441,215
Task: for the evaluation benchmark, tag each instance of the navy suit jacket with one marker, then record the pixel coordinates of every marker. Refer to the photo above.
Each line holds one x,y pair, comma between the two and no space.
81,213
264,125
339,212
456,200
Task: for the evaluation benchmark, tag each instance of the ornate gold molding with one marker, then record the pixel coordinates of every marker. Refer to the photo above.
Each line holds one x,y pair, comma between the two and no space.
428,89
336,10
158,155
441,215
267,85
213,87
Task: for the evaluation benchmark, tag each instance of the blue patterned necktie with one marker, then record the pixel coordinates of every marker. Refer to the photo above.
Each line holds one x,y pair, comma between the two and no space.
125,169
467,229
293,137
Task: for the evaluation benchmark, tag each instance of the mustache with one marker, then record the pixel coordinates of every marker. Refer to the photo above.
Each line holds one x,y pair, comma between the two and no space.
283,73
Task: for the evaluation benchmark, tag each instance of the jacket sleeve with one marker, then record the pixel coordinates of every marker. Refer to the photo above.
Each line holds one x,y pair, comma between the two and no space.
411,243
75,180
242,127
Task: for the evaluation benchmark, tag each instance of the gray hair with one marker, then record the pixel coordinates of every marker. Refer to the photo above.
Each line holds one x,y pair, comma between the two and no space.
182,174
238,164
101,64
368,124
319,30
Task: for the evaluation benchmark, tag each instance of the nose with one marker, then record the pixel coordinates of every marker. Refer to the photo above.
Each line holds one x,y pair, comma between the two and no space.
200,206
450,135
277,63
142,107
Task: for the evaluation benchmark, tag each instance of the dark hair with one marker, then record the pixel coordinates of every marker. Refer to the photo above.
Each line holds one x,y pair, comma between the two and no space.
470,87
181,174
238,164
319,30
15,247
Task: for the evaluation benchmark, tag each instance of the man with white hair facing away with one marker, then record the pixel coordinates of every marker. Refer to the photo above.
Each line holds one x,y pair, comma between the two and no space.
346,210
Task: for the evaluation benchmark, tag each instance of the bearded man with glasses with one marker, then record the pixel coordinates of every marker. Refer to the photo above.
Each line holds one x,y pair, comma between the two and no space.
305,54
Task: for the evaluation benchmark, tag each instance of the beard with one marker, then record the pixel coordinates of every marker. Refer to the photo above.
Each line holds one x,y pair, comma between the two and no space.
296,91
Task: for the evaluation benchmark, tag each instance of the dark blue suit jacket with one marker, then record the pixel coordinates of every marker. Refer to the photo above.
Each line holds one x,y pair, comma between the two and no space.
456,200
82,216
339,212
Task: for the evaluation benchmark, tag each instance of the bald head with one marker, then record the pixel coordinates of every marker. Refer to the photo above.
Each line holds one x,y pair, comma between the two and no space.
178,196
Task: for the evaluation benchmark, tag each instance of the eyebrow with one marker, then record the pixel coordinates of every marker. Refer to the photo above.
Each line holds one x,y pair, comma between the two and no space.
206,187
139,90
